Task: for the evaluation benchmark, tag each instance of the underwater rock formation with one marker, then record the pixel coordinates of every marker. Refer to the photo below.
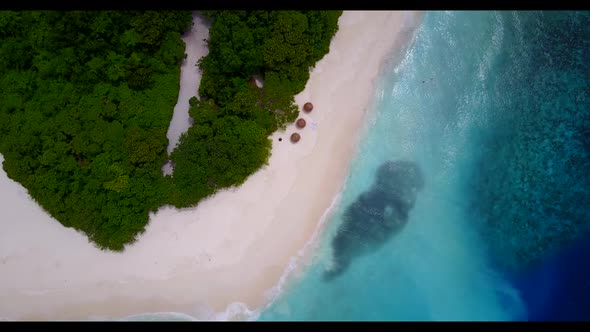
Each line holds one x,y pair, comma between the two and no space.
377,214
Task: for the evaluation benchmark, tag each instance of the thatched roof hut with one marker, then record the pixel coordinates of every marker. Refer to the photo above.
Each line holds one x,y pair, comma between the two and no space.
256,81
295,137
307,107
300,123
252,81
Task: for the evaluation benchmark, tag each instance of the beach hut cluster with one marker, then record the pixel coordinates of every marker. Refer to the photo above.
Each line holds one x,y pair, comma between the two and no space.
300,123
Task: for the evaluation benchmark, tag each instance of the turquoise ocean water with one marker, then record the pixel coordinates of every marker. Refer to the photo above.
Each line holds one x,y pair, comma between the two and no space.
493,108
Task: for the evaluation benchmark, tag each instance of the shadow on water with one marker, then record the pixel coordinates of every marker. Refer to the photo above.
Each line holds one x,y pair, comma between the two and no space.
377,214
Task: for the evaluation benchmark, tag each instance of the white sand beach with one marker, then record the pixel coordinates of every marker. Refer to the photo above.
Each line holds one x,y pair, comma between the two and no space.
233,247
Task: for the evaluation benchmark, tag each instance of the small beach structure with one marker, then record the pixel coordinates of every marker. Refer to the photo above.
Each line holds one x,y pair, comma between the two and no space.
300,123
308,107
295,137
252,81
255,81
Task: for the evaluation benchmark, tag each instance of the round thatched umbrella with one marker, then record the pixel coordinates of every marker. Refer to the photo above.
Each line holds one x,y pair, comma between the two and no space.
307,107
300,123
295,137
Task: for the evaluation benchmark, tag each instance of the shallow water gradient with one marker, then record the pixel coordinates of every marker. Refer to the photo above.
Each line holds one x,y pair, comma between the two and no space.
494,108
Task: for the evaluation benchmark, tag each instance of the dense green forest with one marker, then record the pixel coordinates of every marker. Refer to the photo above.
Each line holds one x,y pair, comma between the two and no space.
85,102
86,99
229,138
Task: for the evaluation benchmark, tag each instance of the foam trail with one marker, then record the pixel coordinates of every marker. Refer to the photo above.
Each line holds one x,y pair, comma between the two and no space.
159,316
303,253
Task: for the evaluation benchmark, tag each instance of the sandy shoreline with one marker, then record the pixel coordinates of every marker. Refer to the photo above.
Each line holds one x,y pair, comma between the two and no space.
190,78
232,247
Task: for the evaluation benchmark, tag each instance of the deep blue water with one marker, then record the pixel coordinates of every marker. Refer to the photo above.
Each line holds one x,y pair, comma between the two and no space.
494,109
558,289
